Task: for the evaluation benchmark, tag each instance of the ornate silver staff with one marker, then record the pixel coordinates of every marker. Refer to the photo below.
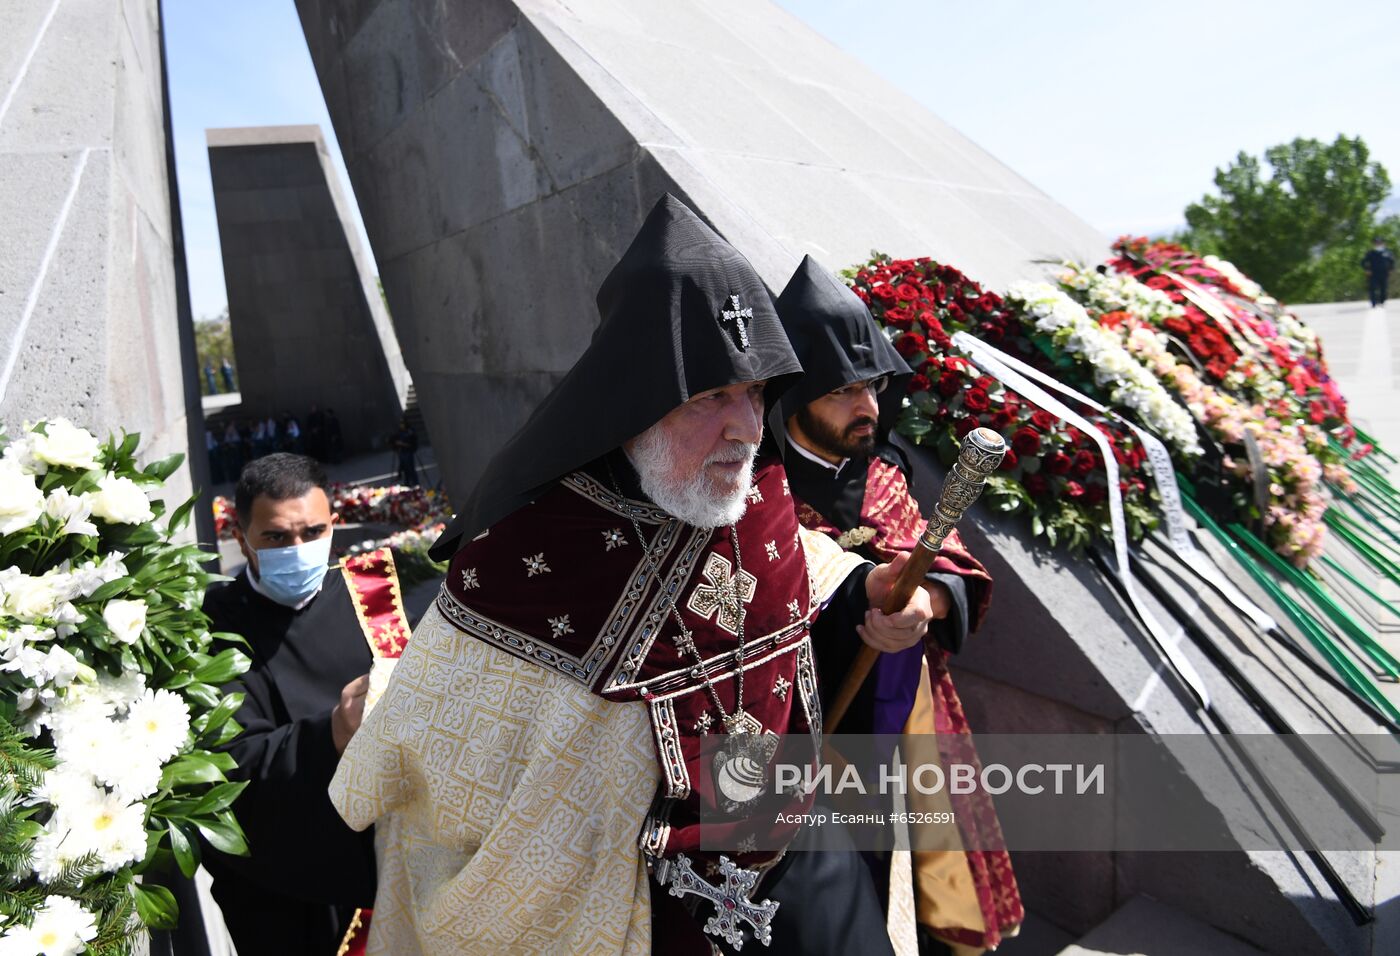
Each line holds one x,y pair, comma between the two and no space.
982,451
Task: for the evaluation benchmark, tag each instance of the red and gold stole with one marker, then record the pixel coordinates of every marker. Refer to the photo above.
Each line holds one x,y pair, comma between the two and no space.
374,589
890,522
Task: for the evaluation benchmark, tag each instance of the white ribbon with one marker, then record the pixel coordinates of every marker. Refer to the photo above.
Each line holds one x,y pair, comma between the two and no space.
1004,368
1164,478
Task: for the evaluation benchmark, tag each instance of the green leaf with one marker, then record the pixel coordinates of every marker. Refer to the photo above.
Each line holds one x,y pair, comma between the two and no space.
186,852
220,797
156,906
191,768
224,834
164,468
111,589
223,667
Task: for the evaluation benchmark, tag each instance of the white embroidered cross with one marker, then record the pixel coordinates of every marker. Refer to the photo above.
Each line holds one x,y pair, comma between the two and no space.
469,579
535,565
720,597
794,611
781,686
772,549
740,318
703,722
786,491
560,625
613,539
755,496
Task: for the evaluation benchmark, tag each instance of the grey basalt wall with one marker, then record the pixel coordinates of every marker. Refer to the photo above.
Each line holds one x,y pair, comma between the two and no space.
309,326
89,326
504,153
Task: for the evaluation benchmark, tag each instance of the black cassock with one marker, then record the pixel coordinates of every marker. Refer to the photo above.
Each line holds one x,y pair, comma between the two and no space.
308,871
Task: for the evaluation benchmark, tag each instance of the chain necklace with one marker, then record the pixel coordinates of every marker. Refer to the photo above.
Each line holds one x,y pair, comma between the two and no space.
738,722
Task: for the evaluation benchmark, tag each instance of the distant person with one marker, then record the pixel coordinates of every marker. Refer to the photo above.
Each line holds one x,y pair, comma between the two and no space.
270,430
335,441
261,446
232,451
404,441
209,379
291,434
226,369
1378,263
216,464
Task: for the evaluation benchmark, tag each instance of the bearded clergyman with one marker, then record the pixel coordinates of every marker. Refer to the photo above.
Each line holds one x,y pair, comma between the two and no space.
850,482
629,583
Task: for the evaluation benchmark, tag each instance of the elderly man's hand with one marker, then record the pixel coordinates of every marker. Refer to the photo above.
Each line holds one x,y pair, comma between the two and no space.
895,632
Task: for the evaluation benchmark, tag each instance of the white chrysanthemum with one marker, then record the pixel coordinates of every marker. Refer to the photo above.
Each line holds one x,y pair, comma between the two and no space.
127,619
72,510
61,927
21,501
88,740
66,445
53,851
65,786
121,501
110,826
160,720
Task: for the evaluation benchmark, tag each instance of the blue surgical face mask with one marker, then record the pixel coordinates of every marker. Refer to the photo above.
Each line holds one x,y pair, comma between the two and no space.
291,575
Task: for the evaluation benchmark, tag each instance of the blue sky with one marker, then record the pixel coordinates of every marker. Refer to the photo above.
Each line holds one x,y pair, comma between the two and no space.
1120,111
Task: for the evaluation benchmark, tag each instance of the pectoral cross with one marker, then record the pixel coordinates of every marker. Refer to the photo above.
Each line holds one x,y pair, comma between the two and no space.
731,898
740,318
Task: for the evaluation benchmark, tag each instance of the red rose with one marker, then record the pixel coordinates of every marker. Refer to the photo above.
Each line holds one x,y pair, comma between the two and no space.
862,295
1159,283
1178,325
1095,494
1026,441
976,400
1043,420
963,426
940,292
906,291
1074,489
885,294
1218,367
984,382
1037,484
910,343
941,339
949,384
1084,462
1009,461
900,317
1002,420
1058,463
919,383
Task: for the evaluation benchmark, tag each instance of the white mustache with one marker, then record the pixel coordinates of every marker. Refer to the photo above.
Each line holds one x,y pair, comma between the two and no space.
738,451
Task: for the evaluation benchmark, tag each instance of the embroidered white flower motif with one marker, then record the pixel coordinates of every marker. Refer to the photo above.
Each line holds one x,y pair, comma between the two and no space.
469,579
772,548
781,686
560,626
535,565
755,496
703,723
613,539
794,611
747,845
787,492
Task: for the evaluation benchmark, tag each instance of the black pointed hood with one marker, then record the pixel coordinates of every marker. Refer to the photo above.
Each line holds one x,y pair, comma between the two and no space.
837,341
682,312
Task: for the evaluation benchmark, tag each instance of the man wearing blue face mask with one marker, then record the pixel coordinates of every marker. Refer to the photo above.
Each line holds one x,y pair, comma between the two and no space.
304,697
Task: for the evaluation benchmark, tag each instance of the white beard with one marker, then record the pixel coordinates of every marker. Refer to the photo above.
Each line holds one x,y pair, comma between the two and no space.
694,499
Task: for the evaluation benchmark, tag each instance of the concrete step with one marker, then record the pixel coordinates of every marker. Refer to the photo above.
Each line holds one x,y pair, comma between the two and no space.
1144,927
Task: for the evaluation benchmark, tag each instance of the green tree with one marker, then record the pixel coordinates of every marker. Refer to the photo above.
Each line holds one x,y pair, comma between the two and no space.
1300,227
213,343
